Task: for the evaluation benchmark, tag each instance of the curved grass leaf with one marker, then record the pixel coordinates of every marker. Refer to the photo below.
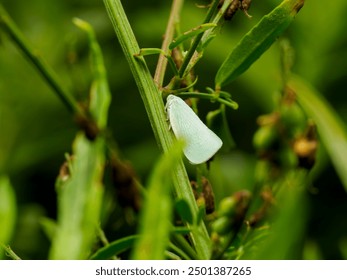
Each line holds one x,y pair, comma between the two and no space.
331,128
100,95
49,226
155,222
115,248
123,244
257,41
8,211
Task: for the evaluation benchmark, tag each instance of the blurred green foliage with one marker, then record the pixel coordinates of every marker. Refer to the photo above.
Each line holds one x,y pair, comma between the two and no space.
36,129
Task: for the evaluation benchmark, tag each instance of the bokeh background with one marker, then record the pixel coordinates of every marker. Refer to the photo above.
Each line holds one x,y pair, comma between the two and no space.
36,129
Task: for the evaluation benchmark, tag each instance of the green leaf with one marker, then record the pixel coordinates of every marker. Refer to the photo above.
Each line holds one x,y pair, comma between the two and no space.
49,226
331,128
190,34
257,41
155,222
123,244
150,51
100,95
80,196
181,230
79,201
184,211
115,248
8,211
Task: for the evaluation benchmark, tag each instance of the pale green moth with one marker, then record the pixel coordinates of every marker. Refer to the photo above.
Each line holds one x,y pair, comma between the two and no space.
201,143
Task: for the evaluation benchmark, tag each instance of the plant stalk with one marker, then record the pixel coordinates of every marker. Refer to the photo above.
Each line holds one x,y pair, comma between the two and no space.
168,37
154,106
197,40
41,65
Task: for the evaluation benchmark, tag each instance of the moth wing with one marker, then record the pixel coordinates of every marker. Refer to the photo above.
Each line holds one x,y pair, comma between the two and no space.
201,142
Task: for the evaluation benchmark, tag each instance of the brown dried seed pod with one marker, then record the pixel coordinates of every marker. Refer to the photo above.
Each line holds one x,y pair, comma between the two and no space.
246,4
206,194
306,148
231,11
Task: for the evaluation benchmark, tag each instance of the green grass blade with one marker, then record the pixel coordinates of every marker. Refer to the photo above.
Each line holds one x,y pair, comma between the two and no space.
8,211
257,41
100,95
80,197
331,128
155,222
49,226
150,51
115,248
79,201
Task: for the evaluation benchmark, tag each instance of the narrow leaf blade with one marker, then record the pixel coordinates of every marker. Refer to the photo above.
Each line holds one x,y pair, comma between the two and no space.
80,197
115,248
155,223
257,41
100,95
79,201
150,51
8,211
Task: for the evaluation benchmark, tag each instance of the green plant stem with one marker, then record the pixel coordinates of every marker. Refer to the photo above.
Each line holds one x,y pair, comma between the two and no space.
168,37
197,40
210,97
207,36
10,252
183,244
216,20
33,55
155,109
179,252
